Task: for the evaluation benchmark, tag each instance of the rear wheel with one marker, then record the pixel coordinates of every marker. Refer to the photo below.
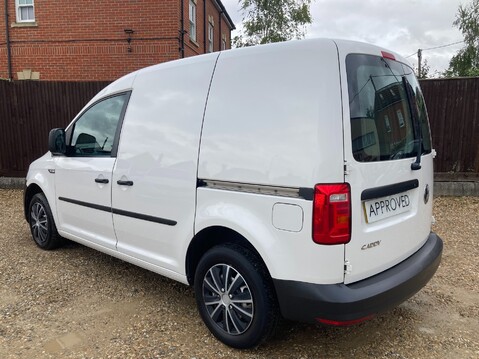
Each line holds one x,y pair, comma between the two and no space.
42,225
235,296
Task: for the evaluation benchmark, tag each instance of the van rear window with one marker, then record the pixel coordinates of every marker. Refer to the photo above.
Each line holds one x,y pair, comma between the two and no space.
382,126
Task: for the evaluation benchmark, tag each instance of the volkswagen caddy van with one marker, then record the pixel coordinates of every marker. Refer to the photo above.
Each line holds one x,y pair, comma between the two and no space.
288,180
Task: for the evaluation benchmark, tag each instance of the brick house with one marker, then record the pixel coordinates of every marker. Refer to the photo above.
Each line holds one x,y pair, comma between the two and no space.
103,40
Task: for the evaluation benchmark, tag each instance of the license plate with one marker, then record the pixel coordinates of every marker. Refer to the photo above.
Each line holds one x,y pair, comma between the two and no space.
381,208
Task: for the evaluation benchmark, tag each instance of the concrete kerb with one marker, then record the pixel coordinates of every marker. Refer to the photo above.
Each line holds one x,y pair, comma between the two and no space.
441,188
12,182
456,188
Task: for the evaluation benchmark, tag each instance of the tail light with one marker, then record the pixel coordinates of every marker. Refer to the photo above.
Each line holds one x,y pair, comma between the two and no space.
332,213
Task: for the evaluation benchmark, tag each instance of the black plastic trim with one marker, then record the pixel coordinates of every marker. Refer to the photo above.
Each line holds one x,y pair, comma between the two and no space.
389,190
120,212
306,302
200,183
306,193
116,141
144,217
86,204
124,183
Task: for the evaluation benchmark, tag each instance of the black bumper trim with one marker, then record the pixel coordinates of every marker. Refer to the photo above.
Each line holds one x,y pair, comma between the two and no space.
305,302
389,190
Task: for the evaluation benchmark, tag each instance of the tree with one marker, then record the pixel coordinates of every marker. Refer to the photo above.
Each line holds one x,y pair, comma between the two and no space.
266,21
466,61
425,69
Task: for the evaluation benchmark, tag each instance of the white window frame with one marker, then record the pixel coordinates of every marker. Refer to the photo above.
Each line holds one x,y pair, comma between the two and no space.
192,17
223,43
211,37
18,7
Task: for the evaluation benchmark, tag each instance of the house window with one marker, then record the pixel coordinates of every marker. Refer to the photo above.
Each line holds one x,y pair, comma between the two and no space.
223,42
25,10
210,36
193,20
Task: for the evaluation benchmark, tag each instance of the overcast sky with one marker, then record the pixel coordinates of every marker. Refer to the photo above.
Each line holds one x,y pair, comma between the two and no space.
400,25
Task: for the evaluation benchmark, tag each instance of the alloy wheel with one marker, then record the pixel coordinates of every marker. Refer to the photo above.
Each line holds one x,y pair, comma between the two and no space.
228,299
39,222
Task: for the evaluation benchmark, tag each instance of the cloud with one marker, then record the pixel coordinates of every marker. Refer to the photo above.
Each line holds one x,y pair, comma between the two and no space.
400,25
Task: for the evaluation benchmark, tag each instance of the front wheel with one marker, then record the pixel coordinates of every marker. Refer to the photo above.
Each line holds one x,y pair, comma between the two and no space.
235,296
42,225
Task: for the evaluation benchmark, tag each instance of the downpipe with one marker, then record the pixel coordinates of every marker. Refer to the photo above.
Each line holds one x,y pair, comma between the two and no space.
7,35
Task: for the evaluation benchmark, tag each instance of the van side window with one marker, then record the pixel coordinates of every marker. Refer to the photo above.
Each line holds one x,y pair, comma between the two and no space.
94,132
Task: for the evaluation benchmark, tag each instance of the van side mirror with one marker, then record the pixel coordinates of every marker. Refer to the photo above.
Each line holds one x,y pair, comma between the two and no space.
56,142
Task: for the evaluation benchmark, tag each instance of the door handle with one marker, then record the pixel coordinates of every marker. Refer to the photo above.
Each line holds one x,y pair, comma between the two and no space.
125,183
101,180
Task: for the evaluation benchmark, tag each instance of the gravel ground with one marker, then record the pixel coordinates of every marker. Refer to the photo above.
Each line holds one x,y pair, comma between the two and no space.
78,303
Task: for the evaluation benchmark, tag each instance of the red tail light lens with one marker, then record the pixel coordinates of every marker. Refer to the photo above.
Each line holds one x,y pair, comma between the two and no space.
332,213
388,55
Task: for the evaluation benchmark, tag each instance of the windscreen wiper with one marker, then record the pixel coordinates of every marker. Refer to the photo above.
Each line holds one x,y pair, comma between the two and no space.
417,126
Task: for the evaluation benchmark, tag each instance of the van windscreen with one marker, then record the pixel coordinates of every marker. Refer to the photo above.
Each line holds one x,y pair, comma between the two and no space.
382,125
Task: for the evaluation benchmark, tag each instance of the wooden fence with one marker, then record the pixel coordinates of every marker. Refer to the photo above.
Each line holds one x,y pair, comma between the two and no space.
29,109
453,108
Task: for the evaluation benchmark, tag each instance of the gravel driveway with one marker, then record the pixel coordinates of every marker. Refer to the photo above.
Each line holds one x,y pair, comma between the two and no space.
78,303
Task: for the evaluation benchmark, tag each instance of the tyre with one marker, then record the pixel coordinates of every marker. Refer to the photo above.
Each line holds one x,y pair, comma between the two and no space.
235,296
42,225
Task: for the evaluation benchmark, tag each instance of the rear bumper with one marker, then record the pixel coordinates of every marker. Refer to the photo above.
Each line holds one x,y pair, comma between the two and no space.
308,302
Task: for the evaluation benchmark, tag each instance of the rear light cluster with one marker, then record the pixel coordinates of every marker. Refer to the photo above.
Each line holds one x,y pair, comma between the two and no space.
332,213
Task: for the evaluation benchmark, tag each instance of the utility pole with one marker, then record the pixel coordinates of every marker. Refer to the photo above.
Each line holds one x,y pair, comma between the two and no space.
419,62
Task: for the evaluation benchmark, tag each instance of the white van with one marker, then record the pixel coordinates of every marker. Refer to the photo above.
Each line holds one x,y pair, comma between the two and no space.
291,179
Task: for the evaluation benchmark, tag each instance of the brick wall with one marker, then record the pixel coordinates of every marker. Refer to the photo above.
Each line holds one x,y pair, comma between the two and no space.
220,26
85,40
200,46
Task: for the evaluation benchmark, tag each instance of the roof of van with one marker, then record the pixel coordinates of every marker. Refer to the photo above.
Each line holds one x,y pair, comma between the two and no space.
343,46
346,46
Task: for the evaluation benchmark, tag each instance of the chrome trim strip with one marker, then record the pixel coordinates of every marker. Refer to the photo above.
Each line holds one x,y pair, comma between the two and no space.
291,192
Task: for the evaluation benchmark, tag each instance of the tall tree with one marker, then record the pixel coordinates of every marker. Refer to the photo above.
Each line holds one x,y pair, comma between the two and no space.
466,61
266,21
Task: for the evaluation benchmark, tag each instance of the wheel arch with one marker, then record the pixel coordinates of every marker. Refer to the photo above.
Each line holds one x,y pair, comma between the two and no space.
209,237
28,194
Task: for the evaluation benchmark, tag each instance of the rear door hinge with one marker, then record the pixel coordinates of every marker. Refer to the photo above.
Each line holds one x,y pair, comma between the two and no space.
347,168
348,268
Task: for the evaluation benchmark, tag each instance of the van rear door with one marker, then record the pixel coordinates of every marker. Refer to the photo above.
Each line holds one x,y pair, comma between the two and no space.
385,127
